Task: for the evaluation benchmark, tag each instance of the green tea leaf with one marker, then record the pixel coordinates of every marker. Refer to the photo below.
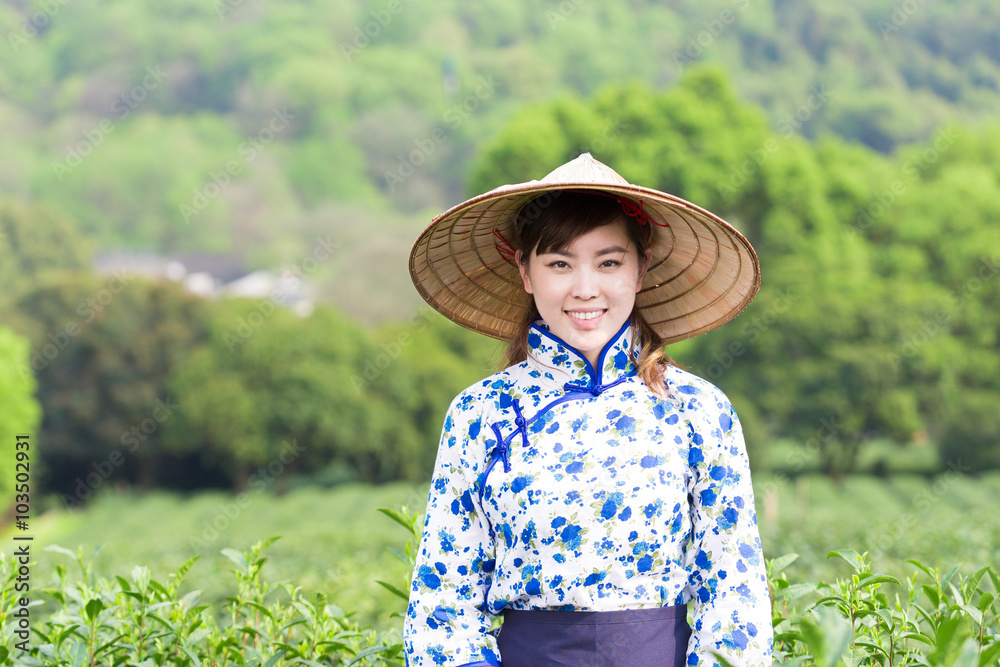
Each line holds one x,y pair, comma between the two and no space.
108,645
236,557
269,541
373,650
163,621
189,653
976,615
973,583
398,517
827,634
260,608
869,643
990,655
926,570
778,564
948,640
880,579
274,659
393,589
93,555
94,607
66,632
400,555
60,550
158,587
932,595
995,578
183,569
969,655
957,594
946,579
795,591
849,555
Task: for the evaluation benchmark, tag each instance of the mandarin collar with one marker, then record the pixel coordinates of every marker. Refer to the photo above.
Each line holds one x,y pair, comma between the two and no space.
560,361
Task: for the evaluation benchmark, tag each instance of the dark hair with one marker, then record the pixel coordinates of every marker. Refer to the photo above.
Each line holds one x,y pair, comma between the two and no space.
553,220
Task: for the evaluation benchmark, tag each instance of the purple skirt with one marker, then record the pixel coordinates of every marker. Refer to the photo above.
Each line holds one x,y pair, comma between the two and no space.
631,638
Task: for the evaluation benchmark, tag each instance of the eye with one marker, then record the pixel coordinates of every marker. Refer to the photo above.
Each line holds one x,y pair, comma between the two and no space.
611,263
558,264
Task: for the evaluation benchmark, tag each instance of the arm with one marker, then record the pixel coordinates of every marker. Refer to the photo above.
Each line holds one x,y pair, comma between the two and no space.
726,572
446,621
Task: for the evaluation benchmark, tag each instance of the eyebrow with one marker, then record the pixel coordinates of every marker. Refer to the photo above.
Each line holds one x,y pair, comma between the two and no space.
610,250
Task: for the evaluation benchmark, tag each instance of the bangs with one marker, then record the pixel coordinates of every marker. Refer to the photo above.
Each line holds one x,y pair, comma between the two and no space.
553,220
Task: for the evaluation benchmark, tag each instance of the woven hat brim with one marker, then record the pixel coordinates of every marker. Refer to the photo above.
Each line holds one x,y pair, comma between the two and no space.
702,275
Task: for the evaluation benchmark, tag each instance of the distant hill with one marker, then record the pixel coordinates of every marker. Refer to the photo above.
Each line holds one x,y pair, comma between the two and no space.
245,126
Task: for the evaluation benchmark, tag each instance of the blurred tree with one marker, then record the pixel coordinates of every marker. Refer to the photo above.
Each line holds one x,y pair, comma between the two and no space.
269,382
970,438
36,239
19,416
102,351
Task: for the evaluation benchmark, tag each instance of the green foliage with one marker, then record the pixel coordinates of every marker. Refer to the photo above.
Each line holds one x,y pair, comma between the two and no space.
895,518
19,412
147,384
879,311
102,351
340,555
972,431
140,620
951,620
35,240
893,77
266,379
930,617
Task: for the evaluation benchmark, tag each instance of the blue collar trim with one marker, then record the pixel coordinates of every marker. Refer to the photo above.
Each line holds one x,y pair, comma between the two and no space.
570,360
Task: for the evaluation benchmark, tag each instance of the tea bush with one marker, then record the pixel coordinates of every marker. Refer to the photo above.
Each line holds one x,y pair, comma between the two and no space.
941,619
928,617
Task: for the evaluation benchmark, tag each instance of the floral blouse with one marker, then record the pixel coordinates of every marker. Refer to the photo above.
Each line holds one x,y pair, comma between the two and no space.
558,486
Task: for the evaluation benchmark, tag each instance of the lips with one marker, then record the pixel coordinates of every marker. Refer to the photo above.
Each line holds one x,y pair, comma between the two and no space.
586,318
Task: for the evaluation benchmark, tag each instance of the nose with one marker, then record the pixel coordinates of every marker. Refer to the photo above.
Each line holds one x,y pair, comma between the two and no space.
585,283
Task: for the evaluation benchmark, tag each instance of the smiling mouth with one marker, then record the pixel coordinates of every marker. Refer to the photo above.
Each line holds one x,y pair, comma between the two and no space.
585,315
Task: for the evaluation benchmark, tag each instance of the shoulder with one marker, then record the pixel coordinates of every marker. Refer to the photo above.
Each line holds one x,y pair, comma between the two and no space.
471,410
486,392
710,405
493,386
694,390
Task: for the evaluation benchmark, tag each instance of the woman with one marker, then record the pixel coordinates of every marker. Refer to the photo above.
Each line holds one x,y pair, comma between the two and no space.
590,489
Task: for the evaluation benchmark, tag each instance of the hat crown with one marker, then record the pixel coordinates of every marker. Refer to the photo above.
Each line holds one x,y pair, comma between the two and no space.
584,169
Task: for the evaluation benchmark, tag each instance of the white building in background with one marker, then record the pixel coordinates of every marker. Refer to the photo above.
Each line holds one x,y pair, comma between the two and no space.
214,276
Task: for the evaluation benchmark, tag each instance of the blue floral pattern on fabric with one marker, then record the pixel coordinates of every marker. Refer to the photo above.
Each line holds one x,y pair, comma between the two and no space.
577,499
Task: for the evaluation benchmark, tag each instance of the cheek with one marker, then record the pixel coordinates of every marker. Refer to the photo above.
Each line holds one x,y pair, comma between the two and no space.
626,287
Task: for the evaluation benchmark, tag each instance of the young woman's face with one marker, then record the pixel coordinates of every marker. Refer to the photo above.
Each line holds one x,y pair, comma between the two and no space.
585,292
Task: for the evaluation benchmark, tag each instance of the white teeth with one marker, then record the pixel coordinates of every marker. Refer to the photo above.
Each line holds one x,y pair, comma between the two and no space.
586,316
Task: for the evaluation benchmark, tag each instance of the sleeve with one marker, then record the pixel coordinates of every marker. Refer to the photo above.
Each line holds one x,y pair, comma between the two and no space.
727,577
447,622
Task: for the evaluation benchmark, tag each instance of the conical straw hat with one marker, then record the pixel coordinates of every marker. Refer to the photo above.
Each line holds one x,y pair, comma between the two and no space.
703,272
